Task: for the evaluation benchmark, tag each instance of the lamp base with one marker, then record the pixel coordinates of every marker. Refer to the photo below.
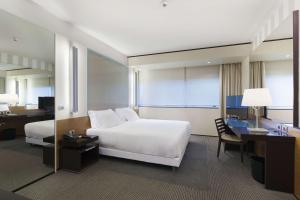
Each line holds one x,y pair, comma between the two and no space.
260,130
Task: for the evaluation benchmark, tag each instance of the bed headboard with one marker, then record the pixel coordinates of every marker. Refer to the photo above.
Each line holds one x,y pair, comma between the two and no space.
79,124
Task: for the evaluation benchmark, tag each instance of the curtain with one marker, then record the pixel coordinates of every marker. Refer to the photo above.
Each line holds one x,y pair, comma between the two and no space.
2,85
257,80
231,81
257,74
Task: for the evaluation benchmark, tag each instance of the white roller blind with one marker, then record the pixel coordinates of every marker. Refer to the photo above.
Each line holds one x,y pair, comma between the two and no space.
202,86
180,87
279,80
162,87
38,87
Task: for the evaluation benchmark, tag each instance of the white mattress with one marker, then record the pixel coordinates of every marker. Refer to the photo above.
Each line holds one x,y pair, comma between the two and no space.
146,136
39,130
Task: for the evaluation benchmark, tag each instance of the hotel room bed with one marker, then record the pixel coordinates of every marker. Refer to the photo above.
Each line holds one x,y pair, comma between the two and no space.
155,141
36,131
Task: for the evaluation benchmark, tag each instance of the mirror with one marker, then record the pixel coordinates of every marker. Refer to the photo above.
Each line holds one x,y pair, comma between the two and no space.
272,64
26,102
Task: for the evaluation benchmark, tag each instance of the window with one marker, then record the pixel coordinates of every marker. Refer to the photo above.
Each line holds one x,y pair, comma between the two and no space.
279,80
202,86
162,87
38,87
179,87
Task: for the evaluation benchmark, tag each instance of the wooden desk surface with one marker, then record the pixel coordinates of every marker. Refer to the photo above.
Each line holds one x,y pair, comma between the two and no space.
244,134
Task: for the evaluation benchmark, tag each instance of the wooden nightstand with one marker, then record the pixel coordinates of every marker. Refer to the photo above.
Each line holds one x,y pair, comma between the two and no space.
77,154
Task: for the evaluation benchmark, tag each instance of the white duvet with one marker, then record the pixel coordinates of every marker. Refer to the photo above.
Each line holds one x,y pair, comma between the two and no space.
146,136
39,130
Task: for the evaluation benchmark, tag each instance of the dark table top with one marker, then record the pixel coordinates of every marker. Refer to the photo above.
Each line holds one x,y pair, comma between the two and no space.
243,132
240,129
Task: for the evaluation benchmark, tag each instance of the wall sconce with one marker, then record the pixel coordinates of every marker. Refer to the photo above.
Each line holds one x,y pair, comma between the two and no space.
75,79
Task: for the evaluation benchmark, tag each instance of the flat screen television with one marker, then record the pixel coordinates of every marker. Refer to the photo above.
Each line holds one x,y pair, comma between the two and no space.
46,103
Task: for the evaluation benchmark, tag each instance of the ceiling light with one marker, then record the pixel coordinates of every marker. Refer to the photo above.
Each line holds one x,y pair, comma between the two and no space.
208,62
164,3
287,55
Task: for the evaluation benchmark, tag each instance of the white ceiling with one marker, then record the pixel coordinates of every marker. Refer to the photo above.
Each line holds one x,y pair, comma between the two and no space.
137,27
285,30
32,41
273,51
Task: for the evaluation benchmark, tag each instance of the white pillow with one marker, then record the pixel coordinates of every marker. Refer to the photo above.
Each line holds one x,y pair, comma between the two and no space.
127,114
104,119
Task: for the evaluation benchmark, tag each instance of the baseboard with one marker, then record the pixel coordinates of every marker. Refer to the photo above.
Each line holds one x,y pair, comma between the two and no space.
205,135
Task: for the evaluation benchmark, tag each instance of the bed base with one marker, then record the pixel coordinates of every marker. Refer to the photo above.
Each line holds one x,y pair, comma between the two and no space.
35,141
173,162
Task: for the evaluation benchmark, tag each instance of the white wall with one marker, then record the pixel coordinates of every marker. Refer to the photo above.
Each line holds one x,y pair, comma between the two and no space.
62,77
284,116
82,80
202,119
63,108
107,83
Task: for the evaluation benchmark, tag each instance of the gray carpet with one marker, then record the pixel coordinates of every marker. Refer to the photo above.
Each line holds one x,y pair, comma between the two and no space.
202,176
21,163
192,164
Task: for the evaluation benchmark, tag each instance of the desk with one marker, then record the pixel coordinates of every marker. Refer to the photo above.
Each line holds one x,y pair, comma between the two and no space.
18,121
279,157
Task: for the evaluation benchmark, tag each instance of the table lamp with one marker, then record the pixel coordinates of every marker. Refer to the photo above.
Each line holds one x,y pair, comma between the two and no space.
256,98
6,100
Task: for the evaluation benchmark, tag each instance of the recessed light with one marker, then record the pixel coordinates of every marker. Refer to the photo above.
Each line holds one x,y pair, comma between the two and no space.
208,62
164,3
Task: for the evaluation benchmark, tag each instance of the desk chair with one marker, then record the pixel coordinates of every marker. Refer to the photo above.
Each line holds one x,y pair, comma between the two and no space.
227,136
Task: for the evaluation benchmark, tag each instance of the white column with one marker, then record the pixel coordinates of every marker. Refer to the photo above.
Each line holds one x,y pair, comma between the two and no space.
245,73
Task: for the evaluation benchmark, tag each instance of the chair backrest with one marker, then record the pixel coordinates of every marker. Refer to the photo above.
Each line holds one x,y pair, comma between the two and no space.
221,126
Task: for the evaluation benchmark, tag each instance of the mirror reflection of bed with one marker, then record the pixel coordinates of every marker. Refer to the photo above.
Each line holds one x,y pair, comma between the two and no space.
26,102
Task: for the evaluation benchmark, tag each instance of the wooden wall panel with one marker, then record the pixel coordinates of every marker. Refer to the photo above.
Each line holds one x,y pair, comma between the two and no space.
79,124
296,133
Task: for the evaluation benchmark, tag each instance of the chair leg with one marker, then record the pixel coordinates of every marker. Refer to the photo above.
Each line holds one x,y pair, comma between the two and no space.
242,152
219,146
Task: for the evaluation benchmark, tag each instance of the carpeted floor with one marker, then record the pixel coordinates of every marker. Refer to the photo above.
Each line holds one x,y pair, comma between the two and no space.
20,164
201,176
